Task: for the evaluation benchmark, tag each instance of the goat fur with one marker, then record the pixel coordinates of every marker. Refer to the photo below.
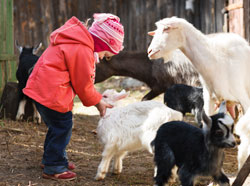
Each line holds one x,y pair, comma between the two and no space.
130,128
158,75
196,152
27,60
219,58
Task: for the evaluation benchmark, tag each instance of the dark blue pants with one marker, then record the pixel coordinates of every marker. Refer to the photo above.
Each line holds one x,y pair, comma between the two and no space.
57,138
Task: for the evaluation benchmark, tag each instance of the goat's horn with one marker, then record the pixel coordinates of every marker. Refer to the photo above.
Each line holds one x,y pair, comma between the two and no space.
18,47
207,120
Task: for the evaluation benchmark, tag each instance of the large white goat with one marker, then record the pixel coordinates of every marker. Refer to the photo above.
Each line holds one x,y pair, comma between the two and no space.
129,128
222,59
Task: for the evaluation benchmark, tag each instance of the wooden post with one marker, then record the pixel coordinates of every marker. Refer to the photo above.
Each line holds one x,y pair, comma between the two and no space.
9,103
7,57
236,20
243,173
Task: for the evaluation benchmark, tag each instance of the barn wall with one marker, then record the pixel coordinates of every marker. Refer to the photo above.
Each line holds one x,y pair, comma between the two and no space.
246,4
34,20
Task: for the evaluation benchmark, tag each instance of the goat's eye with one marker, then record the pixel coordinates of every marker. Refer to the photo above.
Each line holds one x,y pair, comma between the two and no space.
108,58
219,133
166,29
104,96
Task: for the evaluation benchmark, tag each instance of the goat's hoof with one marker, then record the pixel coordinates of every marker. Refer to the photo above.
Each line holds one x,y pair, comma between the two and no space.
117,172
100,176
19,117
38,120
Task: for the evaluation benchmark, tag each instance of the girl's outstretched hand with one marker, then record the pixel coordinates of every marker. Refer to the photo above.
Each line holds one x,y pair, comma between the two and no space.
102,106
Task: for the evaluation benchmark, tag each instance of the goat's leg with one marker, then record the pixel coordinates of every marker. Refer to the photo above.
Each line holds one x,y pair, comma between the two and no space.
107,155
198,116
118,162
152,94
242,130
243,151
36,115
221,179
209,102
146,139
185,177
164,162
21,109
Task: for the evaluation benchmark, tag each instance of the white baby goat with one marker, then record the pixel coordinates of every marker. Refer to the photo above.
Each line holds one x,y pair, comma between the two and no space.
129,128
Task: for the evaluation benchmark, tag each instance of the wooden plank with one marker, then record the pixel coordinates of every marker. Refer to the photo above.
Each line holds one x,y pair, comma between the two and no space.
234,6
5,57
236,23
38,19
219,17
243,173
246,5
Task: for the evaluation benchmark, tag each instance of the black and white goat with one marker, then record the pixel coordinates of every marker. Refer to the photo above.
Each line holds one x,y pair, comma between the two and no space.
158,75
186,99
195,152
27,60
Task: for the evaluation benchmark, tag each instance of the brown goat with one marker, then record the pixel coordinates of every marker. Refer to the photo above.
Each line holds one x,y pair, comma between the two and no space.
158,75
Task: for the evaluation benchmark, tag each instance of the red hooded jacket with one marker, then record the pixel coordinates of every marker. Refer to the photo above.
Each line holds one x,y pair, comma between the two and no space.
66,68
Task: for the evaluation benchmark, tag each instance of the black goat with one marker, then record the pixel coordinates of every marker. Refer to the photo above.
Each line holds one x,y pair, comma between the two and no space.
186,99
27,60
157,75
195,152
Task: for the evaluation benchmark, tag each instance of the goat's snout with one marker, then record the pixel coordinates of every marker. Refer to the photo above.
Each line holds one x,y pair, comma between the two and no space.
232,145
152,53
149,51
237,139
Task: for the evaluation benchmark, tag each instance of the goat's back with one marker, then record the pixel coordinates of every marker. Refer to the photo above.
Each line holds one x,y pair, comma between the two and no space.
184,98
26,63
185,141
129,122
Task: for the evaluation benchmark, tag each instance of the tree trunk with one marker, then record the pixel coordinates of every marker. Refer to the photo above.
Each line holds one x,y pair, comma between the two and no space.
9,103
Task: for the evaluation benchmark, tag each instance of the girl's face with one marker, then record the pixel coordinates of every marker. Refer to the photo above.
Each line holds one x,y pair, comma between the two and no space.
105,53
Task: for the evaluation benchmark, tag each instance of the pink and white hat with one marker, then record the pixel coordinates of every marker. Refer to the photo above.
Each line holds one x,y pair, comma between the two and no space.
107,28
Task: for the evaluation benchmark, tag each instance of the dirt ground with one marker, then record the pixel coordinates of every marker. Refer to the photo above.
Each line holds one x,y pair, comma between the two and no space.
21,149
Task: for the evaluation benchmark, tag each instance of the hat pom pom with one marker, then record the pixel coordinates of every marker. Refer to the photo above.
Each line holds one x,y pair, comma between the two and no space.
101,17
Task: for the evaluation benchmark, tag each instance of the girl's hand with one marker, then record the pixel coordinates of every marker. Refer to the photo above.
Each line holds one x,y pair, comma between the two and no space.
102,106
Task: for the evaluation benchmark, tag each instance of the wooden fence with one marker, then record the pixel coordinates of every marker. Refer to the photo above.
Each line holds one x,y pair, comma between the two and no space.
36,19
7,58
246,4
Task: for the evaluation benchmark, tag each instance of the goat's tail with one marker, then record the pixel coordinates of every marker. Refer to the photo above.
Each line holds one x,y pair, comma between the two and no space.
152,144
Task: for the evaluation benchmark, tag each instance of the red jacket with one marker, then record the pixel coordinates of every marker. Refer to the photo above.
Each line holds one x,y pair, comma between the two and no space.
66,68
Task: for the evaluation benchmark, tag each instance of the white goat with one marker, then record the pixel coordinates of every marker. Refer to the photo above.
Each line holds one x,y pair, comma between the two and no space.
222,60
129,128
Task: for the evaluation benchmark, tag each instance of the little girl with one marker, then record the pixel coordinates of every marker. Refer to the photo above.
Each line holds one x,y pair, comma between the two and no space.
65,69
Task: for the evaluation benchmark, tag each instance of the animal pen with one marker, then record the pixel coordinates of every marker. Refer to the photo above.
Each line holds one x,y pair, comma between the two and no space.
31,21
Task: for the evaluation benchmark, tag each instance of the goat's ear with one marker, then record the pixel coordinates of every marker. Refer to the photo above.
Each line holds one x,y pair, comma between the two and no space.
123,94
223,107
151,33
37,48
19,48
207,120
169,27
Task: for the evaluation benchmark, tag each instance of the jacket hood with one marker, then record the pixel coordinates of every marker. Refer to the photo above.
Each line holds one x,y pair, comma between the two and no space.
72,32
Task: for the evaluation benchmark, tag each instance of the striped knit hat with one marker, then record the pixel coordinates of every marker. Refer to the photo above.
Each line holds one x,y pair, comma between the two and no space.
108,29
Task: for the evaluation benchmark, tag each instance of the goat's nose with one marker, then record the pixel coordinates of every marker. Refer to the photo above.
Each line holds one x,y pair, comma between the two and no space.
149,51
233,144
